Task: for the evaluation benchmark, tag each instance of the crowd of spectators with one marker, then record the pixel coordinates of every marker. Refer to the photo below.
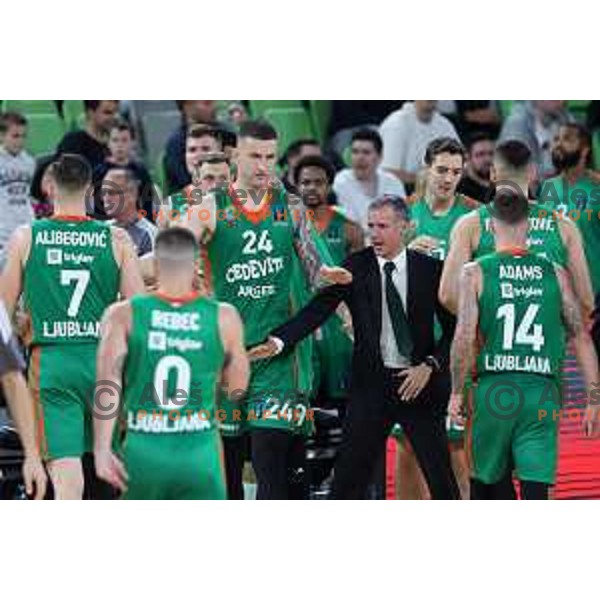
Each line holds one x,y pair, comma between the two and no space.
376,147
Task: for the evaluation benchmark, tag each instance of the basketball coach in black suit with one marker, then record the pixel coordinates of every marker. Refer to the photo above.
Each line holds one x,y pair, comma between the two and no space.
399,372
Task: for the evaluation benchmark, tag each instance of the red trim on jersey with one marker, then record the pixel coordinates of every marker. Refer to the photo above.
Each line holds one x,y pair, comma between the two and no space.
178,299
254,216
513,250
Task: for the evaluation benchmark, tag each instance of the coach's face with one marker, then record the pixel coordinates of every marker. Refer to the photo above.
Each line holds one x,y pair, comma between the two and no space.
387,229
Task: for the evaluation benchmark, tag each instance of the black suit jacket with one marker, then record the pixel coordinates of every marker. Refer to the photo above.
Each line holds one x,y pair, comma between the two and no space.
364,299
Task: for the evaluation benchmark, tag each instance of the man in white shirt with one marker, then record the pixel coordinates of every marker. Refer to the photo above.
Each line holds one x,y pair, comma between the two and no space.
358,186
406,134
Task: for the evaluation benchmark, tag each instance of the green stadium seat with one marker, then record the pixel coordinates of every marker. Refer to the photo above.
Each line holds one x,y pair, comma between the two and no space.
31,107
74,114
505,107
44,132
259,107
596,149
320,112
291,124
578,108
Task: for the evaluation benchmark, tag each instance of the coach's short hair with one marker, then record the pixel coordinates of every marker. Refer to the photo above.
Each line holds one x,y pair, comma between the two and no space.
71,172
175,244
397,203
259,130
443,145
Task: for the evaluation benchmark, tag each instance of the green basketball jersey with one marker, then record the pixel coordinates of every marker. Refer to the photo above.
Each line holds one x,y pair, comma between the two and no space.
250,263
520,316
335,237
439,226
579,201
174,360
544,235
70,278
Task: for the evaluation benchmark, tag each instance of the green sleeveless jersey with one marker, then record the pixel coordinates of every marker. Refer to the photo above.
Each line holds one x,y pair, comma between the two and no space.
335,237
580,202
520,315
544,235
250,262
439,226
174,360
70,278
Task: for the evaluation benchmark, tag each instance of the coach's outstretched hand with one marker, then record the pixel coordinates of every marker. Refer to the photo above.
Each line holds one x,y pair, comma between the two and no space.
335,275
35,478
111,469
265,350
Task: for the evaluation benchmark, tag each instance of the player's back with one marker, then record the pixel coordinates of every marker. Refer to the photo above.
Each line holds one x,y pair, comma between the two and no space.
174,361
520,322
544,236
70,277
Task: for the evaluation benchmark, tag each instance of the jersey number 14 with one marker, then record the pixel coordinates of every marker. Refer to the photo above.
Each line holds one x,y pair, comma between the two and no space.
526,333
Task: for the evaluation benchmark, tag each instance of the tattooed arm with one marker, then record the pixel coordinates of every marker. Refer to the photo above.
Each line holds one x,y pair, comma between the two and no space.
578,332
462,352
108,395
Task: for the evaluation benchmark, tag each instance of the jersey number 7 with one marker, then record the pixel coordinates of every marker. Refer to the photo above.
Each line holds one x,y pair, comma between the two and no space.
81,278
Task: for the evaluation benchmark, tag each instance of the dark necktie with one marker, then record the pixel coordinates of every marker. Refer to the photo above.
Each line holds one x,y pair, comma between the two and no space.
397,313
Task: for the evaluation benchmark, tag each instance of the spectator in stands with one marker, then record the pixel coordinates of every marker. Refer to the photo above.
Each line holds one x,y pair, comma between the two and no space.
193,112
477,116
536,123
295,152
358,186
475,181
406,134
16,173
120,193
348,115
121,154
92,142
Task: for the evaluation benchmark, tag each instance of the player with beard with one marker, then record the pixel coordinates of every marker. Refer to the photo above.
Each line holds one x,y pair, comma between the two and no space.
575,191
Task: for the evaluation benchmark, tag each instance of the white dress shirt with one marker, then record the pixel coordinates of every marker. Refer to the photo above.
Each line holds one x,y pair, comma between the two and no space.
389,349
